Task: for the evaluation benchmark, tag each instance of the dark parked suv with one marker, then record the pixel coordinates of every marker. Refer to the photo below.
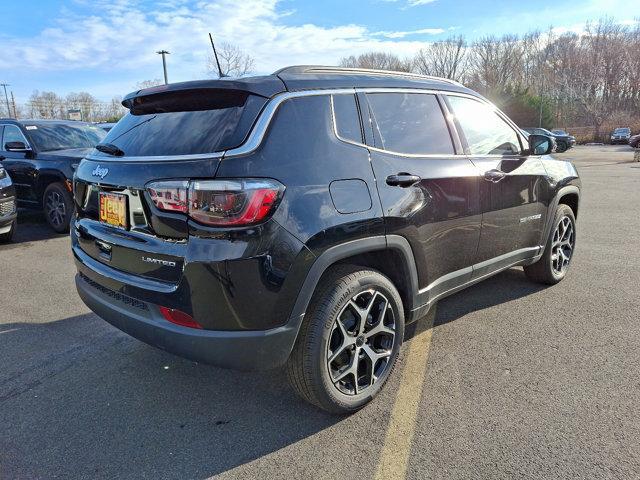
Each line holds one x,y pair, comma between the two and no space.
564,141
7,207
40,156
305,217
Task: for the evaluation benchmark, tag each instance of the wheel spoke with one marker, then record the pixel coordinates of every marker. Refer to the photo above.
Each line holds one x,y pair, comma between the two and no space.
380,327
374,357
366,312
352,369
347,341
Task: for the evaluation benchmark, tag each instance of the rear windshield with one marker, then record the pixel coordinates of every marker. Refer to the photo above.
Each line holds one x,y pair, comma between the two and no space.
50,137
181,125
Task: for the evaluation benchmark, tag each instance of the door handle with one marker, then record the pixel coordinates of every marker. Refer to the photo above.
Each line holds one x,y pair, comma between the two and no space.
403,180
494,175
2,157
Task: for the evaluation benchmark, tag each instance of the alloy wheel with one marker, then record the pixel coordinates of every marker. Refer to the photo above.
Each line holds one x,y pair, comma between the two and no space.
361,342
562,245
56,209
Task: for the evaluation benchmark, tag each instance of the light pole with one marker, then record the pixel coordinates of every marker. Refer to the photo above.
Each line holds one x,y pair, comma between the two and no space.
164,63
6,97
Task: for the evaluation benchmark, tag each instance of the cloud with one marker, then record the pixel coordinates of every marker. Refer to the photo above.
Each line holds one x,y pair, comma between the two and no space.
423,31
118,39
411,3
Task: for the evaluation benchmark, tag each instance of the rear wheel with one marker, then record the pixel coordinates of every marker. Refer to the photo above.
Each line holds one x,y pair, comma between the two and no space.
349,341
554,263
8,236
58,207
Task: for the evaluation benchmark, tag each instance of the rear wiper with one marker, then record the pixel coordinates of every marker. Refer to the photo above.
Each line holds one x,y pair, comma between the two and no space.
110,149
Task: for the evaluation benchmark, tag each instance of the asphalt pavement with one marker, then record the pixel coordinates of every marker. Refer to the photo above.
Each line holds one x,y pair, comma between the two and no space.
507,379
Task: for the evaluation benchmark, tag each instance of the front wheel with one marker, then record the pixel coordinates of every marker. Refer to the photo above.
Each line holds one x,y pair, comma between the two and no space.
349,341
58,207
561,148
559,249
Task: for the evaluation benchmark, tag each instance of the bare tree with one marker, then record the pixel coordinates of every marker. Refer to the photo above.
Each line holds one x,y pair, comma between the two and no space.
447,58
149,83
234,62
377,61
85,102
495,62
46,105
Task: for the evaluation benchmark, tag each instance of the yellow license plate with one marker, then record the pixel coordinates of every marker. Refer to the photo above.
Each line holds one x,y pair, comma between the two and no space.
113,209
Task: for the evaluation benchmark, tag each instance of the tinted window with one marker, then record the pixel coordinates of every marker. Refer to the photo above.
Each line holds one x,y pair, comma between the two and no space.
410,123
347,118
60,136
186,125
12,134
485,131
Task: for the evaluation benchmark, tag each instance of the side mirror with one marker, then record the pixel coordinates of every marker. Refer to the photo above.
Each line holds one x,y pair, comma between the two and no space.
16,147
541,144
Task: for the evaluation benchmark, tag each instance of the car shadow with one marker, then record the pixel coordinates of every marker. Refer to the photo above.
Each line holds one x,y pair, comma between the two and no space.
32,227
507,286
81,399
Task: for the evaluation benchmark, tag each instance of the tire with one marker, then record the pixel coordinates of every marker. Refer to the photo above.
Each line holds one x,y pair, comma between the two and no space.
561,148
7,237
558,251
58,207
332,327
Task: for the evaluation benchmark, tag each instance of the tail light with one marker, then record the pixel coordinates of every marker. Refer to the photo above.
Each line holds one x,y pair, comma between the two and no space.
169,196
219,203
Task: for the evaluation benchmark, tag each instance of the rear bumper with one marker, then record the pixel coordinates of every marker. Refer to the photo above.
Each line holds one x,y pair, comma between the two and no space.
242,350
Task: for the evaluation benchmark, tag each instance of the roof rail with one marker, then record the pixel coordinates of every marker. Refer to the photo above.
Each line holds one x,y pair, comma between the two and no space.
360,71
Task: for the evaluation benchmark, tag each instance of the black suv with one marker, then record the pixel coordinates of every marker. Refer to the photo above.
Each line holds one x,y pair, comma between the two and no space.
620,135
40,156
305,217
564,141
7,207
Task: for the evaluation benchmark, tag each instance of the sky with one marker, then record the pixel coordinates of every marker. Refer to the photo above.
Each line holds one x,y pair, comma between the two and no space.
106,47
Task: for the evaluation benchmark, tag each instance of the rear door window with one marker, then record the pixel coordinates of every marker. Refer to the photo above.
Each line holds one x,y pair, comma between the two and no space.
186,123
410,123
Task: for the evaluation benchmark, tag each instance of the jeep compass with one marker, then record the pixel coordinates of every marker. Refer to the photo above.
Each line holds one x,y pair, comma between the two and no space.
304,218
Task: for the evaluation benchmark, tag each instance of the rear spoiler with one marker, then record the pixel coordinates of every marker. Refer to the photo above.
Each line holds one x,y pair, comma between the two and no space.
201,94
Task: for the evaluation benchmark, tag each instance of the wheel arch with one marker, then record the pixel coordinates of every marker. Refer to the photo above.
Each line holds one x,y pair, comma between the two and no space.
572,199
46,178
568,193
391,255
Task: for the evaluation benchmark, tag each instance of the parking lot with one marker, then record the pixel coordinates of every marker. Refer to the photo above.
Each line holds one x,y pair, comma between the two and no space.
507,379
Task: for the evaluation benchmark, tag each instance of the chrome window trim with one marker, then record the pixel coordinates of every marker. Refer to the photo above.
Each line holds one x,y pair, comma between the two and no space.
264,120
334,121
261,126
259,129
